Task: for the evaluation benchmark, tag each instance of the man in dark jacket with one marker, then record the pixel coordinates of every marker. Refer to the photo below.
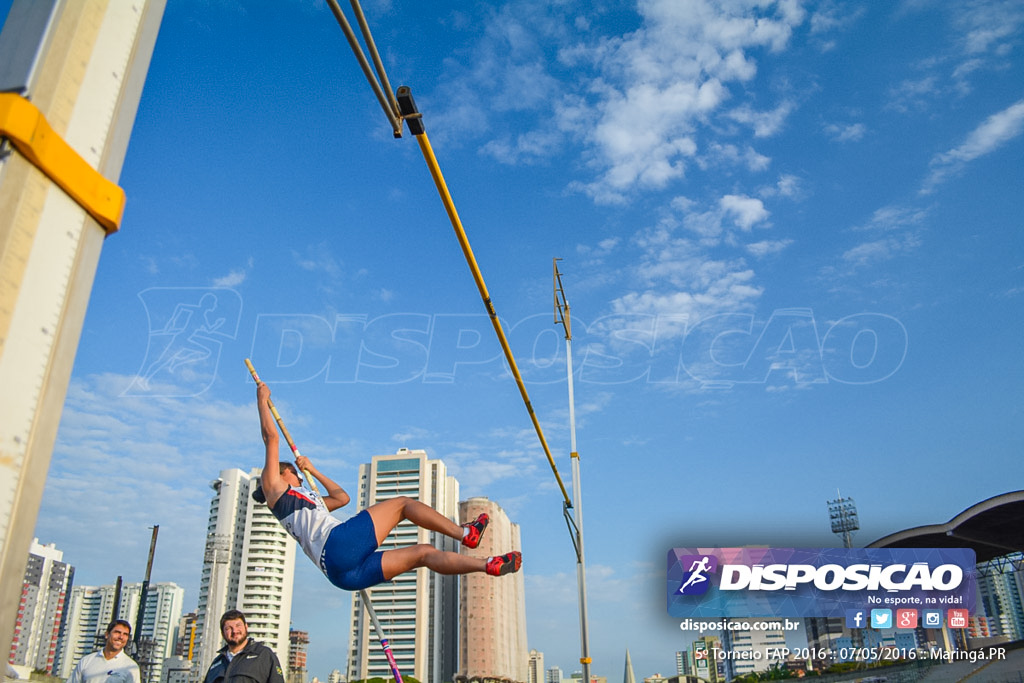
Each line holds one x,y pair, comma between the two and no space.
242,659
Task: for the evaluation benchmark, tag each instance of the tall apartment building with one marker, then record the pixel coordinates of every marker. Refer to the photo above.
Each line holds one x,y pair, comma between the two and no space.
492,610
249,565
701,655
684,663
743,644
41,609
186,636
159,628
176,669
298,644
91,608
417,610
535,667
1001,595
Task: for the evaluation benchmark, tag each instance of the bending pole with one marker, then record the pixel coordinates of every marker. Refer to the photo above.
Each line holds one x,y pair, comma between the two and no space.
408,107
280,424
384,643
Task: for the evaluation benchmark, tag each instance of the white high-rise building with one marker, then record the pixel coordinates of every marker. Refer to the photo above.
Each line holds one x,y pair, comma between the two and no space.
91,608
249,565
159,624
743,645
492,609
418,609
1001,595
535,670
41,610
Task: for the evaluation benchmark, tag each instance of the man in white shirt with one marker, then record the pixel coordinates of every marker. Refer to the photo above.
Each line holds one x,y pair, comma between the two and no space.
111,664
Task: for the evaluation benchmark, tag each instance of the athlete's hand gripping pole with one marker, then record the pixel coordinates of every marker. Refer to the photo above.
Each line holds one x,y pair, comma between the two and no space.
284,430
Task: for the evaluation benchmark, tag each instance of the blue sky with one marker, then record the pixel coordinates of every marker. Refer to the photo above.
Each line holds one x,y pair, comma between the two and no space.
790,235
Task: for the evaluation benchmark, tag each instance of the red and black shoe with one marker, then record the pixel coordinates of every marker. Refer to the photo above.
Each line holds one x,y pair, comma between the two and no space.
505,564
475,530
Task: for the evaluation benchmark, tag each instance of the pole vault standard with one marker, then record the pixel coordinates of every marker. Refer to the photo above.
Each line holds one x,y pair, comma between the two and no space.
575,527
385,644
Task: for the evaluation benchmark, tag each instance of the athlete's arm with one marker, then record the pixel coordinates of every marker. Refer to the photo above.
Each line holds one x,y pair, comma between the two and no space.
273,486
336,496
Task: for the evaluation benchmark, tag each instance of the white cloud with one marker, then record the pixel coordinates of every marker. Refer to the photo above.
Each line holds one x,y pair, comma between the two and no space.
719,154
232,279
657,85
767,247
846,132
895,230
831,16
992,134
987,24
912,94
889,218
529,147
122,463
875,251
701,288
746,212
317,258
763,123
788,185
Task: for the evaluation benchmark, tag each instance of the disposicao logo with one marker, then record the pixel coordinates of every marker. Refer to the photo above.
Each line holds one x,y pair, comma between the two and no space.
696,580
818,582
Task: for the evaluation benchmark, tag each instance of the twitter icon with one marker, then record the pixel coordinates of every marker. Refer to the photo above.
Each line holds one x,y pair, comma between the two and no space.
881,618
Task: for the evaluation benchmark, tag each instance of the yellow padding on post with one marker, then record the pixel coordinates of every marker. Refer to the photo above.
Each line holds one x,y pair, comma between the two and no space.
27,129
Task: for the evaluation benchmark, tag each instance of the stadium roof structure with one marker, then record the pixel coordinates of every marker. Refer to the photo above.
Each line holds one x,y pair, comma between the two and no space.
992,528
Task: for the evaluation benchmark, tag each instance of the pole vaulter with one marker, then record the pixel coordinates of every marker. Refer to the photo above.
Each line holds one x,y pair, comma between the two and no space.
384,642
347,551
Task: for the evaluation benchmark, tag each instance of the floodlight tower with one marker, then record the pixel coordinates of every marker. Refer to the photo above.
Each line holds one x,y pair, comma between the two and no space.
842,513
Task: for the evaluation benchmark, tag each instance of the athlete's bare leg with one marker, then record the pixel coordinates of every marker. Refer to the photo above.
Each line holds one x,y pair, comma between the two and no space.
395,562
388,513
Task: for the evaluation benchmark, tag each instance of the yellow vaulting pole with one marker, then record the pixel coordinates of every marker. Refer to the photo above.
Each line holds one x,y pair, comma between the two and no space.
412,117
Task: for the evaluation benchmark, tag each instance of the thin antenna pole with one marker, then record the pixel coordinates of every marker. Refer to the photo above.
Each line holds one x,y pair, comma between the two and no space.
562,316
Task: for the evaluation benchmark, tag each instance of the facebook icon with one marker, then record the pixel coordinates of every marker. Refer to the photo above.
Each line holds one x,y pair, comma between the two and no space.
855,618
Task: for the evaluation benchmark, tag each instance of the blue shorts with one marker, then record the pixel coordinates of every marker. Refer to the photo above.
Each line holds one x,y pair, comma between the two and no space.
349,558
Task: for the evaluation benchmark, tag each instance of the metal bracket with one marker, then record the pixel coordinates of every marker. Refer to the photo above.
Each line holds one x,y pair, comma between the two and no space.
29,132
411,115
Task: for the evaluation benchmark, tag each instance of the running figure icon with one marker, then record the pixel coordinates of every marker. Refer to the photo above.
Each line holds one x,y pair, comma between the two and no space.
696,570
